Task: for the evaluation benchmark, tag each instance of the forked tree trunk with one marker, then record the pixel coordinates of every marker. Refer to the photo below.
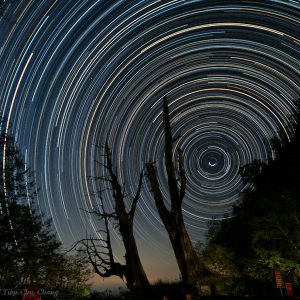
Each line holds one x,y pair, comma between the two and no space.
190,265
135,275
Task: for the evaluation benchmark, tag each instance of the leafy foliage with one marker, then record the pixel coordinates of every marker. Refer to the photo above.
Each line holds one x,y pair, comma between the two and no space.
29,249
264,233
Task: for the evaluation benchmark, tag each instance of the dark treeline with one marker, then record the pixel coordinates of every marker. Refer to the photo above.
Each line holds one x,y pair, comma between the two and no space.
30,251
263,235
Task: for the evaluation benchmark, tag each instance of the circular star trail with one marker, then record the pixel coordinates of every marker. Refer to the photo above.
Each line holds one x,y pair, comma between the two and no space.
75,73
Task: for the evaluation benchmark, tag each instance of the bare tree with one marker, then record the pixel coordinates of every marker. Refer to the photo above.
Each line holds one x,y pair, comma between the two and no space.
190,265
99,251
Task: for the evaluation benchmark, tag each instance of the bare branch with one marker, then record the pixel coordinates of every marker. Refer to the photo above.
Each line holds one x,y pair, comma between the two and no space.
137,195
117,189
102,262
108,240
101,164
181,174
158,197
99,251
177,137
171,172
103,178
101,215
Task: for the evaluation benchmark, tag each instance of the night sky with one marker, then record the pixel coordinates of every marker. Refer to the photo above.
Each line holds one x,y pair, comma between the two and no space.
73,73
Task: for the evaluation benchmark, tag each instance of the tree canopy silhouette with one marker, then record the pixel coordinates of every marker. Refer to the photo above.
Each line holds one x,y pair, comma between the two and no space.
29,249
264,233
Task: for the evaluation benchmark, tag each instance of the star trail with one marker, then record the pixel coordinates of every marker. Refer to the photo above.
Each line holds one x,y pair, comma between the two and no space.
73,73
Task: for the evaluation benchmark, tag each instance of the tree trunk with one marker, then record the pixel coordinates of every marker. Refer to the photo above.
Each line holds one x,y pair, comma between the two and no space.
135,275
190,265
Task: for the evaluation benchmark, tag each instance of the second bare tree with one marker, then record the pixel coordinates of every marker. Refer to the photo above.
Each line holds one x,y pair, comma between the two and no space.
190,265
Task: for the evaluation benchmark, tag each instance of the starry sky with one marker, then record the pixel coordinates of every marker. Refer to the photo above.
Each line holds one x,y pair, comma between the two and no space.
73,73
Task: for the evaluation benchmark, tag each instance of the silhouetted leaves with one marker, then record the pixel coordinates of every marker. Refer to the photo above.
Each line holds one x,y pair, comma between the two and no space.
264,233
29,249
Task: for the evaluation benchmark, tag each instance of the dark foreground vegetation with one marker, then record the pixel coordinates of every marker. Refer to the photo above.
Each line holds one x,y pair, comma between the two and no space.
30,251
176,291
262,239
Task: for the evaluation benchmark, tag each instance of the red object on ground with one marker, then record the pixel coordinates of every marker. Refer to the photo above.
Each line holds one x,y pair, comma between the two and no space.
279,280
31,292
289,289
